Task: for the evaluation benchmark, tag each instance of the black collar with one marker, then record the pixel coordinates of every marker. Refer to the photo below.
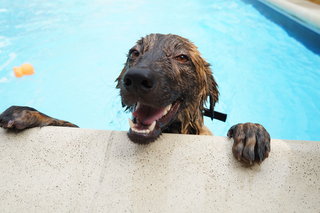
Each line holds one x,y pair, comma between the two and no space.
215,115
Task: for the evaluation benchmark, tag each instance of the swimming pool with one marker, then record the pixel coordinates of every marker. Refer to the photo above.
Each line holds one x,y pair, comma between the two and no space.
78,48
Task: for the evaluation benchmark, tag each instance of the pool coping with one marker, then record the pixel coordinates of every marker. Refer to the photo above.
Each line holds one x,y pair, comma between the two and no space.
58,169
304,12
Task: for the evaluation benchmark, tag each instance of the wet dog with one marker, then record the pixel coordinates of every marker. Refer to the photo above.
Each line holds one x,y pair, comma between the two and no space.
165,83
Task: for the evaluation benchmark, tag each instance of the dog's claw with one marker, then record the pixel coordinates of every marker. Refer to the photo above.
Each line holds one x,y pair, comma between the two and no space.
251,142
10,124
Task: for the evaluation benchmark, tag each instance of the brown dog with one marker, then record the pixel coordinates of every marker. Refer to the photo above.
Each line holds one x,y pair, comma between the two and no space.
165,83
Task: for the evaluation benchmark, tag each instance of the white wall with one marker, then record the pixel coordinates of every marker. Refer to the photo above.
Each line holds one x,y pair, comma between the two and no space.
56,169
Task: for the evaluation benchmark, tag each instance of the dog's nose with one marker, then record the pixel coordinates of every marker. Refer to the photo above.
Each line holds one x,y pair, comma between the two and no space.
139,79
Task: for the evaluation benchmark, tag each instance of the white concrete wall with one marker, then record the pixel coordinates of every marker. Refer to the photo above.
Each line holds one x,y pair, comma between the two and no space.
302,11
56,169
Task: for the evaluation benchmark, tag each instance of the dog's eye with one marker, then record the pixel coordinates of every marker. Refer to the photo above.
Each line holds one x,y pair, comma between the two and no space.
134,54
182,58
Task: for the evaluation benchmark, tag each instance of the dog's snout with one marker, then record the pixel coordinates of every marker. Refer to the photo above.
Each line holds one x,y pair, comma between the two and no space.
139,79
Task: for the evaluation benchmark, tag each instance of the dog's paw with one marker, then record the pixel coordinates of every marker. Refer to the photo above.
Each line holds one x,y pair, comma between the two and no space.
251,142
19,118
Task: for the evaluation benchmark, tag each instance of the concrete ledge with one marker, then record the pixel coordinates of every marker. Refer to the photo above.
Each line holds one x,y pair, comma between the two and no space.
55,169
302,11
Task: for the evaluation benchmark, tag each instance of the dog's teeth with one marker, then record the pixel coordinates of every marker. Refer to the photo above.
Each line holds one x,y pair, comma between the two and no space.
138,105
131,124
151,127
146,131
141,131
167,109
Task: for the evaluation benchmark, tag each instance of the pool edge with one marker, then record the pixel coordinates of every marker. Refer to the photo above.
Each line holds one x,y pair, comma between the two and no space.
54,169
299,11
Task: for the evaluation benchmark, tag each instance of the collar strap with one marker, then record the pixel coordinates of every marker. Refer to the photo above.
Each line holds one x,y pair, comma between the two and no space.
215,115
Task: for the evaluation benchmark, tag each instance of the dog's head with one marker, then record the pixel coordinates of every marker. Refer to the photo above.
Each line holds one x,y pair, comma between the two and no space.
165,83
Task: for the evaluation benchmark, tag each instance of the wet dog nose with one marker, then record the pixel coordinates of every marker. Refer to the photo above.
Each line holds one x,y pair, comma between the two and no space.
139,79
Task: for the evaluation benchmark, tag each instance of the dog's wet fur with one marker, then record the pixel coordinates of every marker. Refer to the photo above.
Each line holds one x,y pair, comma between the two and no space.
177,73
166,84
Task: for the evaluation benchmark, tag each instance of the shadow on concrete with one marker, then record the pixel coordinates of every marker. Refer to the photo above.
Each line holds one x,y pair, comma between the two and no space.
307,37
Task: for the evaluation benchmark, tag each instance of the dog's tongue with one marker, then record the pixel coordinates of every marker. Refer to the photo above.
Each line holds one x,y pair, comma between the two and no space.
147,115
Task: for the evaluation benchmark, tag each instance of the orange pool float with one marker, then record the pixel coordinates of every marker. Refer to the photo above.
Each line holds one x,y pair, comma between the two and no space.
24,69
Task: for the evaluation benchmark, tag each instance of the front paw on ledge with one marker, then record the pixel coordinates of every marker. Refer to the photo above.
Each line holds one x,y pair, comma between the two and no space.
251,142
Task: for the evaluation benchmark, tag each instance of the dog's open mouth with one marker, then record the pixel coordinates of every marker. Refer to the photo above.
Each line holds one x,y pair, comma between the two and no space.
148,121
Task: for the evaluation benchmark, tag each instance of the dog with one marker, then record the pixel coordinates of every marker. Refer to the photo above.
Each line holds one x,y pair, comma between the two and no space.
166,84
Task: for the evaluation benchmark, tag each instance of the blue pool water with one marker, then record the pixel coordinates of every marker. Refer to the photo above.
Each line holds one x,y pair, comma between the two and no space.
264,73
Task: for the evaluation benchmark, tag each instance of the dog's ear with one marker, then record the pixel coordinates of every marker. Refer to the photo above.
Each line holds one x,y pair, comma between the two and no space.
212,92
208,86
